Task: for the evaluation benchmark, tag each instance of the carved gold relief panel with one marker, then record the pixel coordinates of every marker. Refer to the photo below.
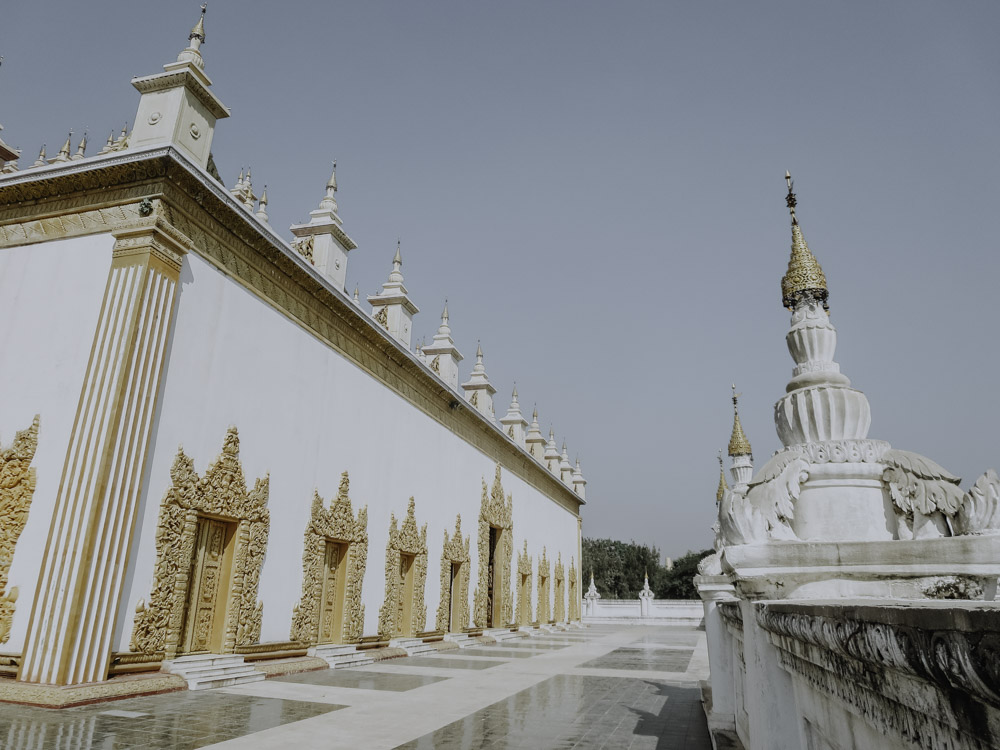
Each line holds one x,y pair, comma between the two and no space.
221,495
574,593
524,586
336,525
559,611
496,511
453,606
405,573
544,614
17,486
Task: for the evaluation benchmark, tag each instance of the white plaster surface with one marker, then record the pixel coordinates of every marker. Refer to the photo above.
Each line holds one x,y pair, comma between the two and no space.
50,298
304,415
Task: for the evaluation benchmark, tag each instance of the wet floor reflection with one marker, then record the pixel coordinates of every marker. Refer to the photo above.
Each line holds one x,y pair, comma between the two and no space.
569,711
179,721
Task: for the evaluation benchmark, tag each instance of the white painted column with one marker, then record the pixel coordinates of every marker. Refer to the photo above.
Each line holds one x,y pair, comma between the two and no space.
76,602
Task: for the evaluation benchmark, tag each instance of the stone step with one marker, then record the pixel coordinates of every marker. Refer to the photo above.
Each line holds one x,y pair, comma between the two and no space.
339,655
462,640
204,671
502,634
412,646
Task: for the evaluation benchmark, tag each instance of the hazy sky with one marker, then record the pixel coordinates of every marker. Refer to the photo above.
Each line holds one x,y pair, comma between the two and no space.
597,188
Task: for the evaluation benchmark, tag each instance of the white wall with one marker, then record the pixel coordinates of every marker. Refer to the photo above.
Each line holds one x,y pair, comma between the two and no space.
50,298
304,415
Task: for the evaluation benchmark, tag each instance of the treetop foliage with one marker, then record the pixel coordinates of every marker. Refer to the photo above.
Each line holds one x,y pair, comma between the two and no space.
618,569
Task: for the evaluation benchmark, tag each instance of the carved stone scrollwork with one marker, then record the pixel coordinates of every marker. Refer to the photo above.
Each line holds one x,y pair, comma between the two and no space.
980,511
408,540
844,451
17,486
221,493
559,611
496,511
524,590
962,660
454,552
336,524
382,317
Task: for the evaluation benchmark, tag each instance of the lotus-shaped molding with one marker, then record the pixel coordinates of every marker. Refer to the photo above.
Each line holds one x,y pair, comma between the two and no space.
821,413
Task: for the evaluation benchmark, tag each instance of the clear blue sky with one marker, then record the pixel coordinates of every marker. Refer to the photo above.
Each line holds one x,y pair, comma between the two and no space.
598,190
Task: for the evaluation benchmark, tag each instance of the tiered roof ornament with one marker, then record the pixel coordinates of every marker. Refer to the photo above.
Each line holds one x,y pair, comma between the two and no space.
322,240
177,107
565,467
552,454
534,440
513,421
721,491
478,388
579,483
392,307
739,450
63,154
442,356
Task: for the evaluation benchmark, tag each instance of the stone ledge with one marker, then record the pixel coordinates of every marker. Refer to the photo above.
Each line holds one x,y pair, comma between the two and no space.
59,696
279,667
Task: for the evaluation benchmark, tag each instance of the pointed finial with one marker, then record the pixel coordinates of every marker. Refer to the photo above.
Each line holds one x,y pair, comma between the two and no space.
398,259
198,32
534,412
479,351
738,443
82,147
356,298
721,490
64,151
262,206
514,394
444,313
40,161
331,184
804,279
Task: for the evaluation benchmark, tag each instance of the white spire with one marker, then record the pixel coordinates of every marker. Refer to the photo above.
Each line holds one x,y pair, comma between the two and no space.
579,483
442,356
262,206
534,440
323,239
478,389
565,467
552,453
392,307
514,423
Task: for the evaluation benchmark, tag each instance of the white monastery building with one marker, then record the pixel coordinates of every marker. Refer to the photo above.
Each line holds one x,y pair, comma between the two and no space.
221,457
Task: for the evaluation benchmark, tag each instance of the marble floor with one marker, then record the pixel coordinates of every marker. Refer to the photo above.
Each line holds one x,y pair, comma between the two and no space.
602,687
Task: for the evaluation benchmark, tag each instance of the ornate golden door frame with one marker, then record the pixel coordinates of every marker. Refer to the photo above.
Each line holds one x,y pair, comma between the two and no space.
336,525
559,611
453,606
496,512
544,613
524,587
404,594
204,627
221,494
331,615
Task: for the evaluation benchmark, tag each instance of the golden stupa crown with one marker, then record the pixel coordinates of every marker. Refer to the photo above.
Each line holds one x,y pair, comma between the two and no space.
804,278
738,443
721,491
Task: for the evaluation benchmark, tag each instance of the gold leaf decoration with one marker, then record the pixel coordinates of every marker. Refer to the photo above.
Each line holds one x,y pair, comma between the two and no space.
544,613
17,487
524,586
454,552
559,612
336,524
404,540
495,511
221,493
574,594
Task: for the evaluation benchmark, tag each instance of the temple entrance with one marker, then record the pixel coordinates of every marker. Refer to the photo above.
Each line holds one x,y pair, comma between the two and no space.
404,616
456,596
331,617
211,569
491,576
543,599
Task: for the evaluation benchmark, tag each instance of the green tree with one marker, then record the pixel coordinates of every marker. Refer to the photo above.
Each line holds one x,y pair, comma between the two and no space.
679,582
618,567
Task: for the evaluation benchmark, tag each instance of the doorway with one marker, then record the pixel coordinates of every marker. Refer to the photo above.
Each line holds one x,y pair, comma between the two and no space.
455,597
404,611
491,575
211,570
331,615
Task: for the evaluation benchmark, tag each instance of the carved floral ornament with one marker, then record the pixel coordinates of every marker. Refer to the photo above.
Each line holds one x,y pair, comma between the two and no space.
17,486
559,611
336,524
454,552
497,511
543,613
405,539
573,594
221,493
524,591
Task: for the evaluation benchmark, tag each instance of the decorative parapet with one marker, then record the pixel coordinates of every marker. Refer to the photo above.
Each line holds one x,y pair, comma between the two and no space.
929,673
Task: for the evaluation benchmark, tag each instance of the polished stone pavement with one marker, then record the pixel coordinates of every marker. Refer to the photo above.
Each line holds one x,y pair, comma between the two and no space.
602,687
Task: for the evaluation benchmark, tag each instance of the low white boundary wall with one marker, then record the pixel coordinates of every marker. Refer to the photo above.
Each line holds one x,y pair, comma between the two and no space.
663,612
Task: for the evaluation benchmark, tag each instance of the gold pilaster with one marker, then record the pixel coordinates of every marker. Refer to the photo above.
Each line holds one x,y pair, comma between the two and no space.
80,583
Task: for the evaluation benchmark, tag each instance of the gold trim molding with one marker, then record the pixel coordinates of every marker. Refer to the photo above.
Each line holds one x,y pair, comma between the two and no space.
572,593
454,551
524,590
17,487
405,539
336,524
221,493
496,511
